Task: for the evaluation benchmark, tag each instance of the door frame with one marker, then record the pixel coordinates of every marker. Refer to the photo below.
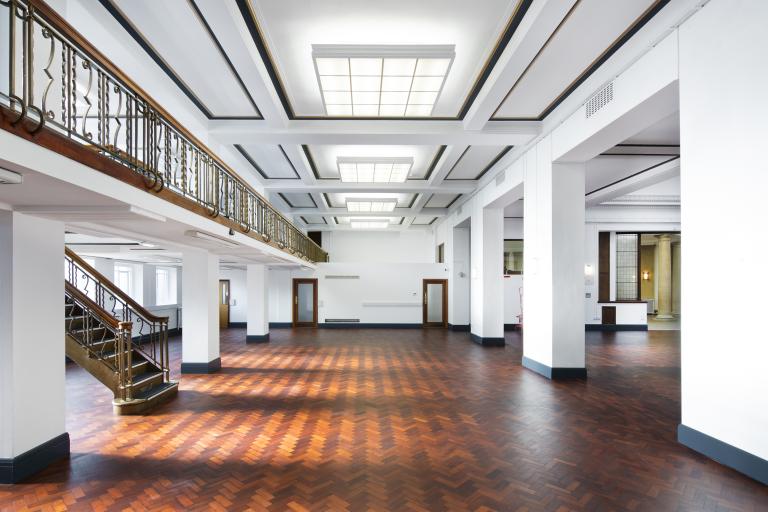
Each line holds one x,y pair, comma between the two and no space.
295,300
444,323
229,295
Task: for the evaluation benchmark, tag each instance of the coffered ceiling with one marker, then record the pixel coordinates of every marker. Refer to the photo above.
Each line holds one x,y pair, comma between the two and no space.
251,68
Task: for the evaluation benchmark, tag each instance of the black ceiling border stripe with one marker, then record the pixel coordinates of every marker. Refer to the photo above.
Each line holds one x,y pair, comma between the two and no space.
226,57
454,200
282,150
286,201
291,205
485,169
607,54
647,145
253,28
432,164
312,165
517,18
413,201
654,166
461,157
327,200
313,199
426,203
251,161
170,73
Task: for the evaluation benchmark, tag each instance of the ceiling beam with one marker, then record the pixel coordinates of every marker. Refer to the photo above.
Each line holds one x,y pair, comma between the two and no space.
390,132
409,187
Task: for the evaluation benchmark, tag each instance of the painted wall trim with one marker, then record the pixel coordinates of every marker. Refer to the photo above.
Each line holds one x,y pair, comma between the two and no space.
197,368
257,338
459,328
727,455
618,327
38,458
554,373
238,325
511,327
487,342
358,325
280,325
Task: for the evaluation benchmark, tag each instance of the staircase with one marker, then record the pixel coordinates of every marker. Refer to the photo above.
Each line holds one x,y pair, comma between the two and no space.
115,339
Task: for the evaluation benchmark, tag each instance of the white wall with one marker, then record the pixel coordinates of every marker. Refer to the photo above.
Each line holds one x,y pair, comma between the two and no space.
238,294
415,246
724,176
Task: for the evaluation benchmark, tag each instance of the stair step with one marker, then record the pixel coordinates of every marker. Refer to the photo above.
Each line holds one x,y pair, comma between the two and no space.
155,391
151,379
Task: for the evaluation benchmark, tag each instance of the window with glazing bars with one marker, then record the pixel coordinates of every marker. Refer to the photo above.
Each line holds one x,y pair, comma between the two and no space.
627,250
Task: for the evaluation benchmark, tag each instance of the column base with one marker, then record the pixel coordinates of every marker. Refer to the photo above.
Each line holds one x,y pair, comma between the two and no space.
554,373
38,458
257,338
201,368
727,455
487,342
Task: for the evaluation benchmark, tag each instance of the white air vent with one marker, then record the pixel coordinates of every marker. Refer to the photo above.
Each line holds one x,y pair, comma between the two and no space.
599,100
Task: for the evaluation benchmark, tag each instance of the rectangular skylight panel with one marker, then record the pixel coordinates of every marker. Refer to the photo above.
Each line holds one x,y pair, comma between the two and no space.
417,73
369,223
371,205
339,110
374,170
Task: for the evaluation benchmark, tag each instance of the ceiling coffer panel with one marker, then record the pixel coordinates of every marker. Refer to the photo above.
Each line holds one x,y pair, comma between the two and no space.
423,220
575,49
284,33
441,200
324,158
269,162
476,161
313,220
339,199
298,199
193,58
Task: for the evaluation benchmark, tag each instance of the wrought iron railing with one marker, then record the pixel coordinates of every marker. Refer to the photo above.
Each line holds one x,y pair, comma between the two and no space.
103,336
56,80
149,333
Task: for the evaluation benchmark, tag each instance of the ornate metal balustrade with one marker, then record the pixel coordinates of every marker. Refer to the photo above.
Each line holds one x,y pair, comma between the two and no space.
56,80
147,333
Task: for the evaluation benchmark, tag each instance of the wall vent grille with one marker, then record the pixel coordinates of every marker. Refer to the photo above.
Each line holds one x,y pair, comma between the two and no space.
342,277
599,100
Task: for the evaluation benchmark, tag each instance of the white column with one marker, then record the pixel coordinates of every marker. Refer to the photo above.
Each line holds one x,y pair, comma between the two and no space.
258,304
458,305
553,276
664,274
32,428
200,313
723,179
487,284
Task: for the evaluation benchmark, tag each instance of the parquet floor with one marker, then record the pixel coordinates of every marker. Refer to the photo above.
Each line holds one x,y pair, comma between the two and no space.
395,420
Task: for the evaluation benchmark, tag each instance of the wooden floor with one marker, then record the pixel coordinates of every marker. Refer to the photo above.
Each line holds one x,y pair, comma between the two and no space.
393,420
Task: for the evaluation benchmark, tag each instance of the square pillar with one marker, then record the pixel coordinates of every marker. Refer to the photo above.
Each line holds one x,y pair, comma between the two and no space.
487,284
258,304
459,290
32,368
553,279
200,313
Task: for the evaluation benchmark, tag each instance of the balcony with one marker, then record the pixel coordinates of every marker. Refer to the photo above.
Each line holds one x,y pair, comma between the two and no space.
60,92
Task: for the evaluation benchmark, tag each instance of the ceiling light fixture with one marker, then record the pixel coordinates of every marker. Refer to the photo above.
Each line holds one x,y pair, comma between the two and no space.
210,238
371,205
369,223
381,80
10,178
374,170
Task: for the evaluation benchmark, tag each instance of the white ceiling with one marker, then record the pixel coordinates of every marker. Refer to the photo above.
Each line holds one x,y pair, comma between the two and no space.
232,54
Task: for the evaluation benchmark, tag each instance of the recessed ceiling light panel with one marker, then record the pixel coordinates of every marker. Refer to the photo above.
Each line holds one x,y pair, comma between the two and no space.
374,170
381,81
369,223
371,205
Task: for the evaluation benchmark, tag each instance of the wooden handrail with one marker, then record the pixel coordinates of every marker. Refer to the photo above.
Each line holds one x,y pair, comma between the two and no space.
104,316
107,283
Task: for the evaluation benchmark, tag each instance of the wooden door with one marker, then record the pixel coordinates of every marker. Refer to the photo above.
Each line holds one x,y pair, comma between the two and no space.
609,315
224,303
435,303
305,302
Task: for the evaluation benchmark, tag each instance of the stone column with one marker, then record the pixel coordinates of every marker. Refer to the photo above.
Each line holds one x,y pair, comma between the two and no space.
200,312
258,304
487,284
664,273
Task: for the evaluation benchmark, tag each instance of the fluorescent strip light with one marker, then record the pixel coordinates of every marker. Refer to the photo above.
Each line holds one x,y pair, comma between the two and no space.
371,205
381,81
369,223
210,238
374,170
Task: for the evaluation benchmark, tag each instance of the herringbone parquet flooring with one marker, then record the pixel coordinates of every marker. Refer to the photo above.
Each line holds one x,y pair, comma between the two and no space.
395,420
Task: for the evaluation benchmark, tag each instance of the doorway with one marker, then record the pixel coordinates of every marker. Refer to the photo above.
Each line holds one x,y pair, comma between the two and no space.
435,310
305,302
224,303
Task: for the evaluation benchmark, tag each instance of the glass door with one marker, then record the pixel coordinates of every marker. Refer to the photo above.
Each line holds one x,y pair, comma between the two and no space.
305,302
435,303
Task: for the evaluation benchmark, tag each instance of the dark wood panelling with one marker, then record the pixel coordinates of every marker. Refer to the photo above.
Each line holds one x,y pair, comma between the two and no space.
609,315
604,267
